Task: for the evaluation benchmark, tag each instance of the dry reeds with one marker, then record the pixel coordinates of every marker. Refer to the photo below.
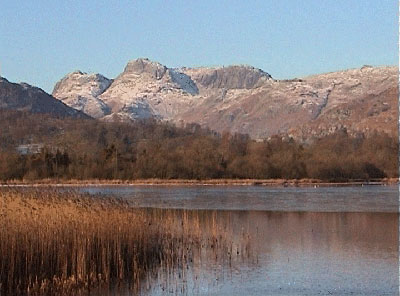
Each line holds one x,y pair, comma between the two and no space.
63,243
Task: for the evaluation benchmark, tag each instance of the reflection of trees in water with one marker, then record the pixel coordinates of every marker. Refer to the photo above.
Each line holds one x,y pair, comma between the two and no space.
215,245
232,241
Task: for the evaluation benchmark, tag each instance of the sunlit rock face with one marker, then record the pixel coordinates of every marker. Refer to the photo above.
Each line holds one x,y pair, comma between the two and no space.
240,98
231,77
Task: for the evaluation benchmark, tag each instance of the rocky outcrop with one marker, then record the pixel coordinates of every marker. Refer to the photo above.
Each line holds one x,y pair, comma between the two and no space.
145,66
231,77
81,91
24,97
244,99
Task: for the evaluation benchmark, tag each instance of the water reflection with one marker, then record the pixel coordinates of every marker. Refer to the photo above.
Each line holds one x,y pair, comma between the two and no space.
321,199
287,241
292,253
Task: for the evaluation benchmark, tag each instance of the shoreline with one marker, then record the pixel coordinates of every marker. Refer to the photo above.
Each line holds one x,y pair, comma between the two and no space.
210,182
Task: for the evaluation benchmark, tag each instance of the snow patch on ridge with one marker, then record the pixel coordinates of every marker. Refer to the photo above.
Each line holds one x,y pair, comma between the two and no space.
184,81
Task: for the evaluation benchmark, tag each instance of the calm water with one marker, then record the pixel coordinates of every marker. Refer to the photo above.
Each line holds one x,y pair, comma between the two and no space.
289,199
285,241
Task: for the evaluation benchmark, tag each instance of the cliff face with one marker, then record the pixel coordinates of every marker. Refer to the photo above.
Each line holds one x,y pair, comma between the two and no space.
241,98
232,77
24,97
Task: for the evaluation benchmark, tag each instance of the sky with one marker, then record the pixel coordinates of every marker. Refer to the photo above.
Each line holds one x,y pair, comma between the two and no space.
43,40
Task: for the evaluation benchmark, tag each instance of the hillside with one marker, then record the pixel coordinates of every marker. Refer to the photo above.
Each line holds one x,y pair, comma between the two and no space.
24,97
240,99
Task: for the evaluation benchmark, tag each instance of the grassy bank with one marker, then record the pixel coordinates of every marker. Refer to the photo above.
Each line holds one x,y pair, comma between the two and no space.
54,243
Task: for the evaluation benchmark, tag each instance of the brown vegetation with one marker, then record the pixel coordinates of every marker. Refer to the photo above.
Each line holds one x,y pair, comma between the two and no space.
89,149
54,243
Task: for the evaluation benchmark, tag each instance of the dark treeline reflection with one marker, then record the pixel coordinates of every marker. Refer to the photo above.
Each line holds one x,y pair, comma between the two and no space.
90,149
286,253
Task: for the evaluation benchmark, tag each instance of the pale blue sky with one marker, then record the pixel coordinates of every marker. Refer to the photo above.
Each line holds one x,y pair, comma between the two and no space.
42,40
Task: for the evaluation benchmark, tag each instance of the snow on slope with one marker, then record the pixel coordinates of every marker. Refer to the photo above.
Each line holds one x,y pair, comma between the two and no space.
240,98
81,90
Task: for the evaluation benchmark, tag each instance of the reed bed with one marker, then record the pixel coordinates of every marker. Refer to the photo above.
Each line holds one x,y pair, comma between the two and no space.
65,243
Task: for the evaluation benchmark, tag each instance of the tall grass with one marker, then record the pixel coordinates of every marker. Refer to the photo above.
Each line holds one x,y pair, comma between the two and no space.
63,243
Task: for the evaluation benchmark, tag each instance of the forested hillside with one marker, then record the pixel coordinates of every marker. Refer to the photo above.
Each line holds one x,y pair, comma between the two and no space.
88,149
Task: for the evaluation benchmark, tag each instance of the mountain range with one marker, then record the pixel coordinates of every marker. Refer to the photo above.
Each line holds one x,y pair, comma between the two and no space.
237,98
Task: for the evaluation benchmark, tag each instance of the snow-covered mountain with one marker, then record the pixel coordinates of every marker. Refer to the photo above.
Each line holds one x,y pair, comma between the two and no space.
240,98
81,90
148,89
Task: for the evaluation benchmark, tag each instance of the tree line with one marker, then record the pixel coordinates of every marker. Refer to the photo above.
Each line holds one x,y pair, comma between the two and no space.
91,149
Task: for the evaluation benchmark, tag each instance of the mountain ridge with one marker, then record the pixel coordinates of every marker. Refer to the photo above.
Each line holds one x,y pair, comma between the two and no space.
244,99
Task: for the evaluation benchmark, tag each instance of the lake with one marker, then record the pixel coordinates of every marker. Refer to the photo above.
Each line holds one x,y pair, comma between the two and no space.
284,241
